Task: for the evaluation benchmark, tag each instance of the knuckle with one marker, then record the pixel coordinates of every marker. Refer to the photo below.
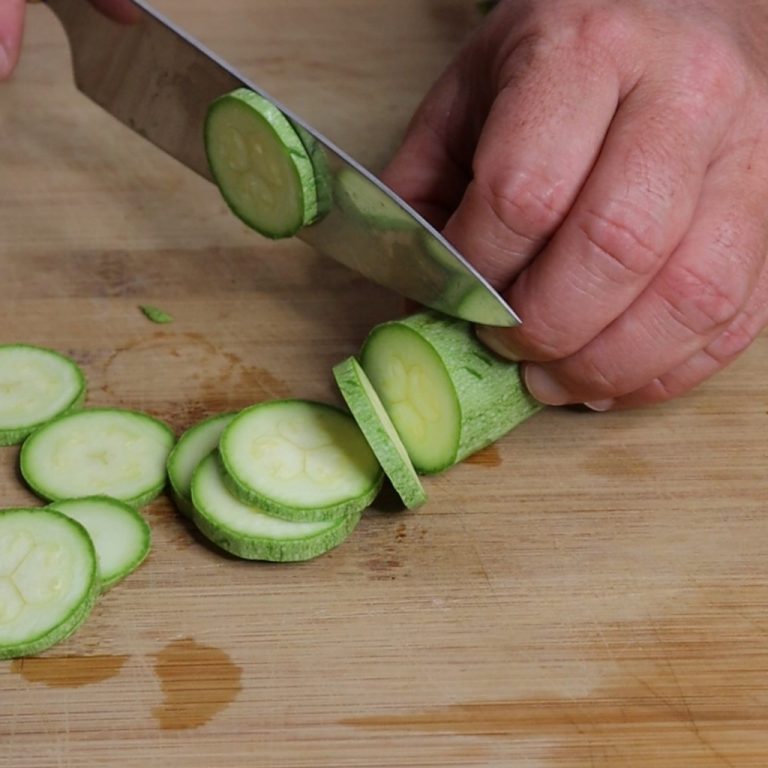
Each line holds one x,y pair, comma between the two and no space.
703,303
600,379
604,26
664,388
544,343
711,73
525,203
733,341
627,237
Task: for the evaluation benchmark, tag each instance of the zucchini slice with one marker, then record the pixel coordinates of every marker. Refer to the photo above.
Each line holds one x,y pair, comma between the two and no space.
98,452
299,460
36,385
379,431
446,394
48,579
192,447
119,533
260,164
245,531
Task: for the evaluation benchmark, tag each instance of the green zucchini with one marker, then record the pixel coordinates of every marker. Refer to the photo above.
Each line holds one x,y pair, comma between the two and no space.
247,532
155,314
119,533
36,385
48,579
192,447
299,460
260,164
375,424
446,394
98,452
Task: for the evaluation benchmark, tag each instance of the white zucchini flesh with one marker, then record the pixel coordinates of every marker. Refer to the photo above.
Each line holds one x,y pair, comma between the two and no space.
416,391
300,460
48,579
447,395
380,432
260,164
119,533
36,385
98,451
192,447
244,530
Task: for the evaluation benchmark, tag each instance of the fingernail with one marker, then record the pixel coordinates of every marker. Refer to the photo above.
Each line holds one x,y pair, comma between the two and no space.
543,387
497,343
600,405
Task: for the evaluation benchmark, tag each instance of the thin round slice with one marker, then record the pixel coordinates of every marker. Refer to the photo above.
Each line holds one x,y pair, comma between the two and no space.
48,579
36,385
247,532
446,394
98,452
379,431
299,460
119,533
192,447
260,164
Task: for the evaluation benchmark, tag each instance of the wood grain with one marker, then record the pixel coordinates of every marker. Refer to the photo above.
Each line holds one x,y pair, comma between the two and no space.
593,591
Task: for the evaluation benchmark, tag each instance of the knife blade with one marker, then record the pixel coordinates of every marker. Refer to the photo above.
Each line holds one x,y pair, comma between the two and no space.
159,81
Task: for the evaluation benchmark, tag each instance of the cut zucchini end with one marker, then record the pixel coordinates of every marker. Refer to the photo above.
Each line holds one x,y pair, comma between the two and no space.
299,460
416,391
121,536
245,531
375,424
48,580
36,385
260,164
98,451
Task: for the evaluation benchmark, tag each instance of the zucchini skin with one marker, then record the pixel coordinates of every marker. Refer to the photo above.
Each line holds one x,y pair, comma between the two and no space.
400,471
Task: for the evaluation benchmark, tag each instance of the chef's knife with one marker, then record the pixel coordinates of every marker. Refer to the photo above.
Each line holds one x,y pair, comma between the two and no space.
157,80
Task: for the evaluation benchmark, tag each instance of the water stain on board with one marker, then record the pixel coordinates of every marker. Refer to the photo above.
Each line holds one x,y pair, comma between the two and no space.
487,457
210,380
198,682
618,462
69,671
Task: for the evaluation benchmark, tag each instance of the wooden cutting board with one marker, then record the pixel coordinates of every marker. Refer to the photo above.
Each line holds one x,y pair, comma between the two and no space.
592,591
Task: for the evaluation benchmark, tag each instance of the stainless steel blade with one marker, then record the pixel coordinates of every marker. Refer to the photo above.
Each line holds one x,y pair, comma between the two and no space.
159,81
